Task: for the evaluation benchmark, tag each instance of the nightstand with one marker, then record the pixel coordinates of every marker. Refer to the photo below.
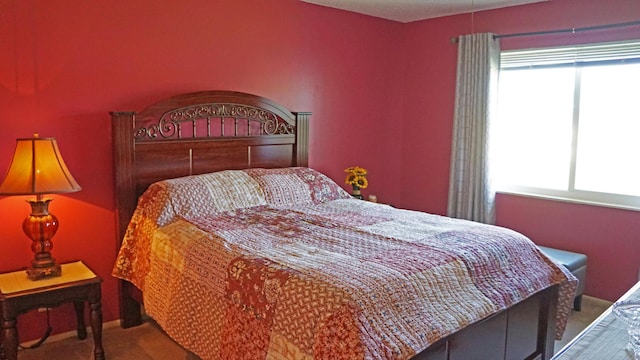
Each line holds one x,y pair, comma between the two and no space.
18,295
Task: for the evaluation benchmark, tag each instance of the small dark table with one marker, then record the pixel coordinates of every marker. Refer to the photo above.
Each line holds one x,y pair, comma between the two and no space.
18,294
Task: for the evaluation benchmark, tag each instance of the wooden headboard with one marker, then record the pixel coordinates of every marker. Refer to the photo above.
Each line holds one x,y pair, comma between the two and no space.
197,133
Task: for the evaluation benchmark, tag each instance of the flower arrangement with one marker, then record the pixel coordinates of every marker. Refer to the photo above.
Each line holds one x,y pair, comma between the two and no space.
356,177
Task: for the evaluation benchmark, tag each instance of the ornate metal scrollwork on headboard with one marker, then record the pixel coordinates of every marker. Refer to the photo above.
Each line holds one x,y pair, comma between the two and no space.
170,123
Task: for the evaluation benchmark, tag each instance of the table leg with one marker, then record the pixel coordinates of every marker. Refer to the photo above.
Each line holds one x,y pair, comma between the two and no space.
82,327
96,329
10,341
3,356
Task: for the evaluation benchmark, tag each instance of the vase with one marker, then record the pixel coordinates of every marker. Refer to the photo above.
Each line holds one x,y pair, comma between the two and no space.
356,193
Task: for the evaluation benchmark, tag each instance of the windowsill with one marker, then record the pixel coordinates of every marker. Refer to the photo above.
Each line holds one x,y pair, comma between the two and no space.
568,200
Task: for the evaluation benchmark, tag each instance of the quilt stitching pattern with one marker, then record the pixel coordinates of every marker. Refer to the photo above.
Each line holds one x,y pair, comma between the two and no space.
330,279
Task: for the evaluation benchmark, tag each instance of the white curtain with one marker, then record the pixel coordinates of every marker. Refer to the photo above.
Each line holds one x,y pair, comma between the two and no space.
471,196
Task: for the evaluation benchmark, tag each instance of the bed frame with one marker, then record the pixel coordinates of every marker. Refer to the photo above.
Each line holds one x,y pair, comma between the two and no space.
210,131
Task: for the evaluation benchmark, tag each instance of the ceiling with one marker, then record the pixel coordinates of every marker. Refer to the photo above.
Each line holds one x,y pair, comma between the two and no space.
413,10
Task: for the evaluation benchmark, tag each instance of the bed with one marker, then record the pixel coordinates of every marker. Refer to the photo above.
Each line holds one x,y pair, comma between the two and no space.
238,249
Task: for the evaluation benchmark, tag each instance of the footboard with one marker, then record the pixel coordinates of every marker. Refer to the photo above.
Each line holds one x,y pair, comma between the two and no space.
524,331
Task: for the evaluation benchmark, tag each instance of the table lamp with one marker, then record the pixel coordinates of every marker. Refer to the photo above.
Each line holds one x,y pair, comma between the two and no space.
37,168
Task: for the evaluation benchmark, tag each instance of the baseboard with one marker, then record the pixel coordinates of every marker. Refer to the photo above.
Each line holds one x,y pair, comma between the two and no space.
596,300
72,333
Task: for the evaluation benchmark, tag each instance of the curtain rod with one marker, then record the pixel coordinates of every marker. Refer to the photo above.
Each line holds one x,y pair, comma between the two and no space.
571,30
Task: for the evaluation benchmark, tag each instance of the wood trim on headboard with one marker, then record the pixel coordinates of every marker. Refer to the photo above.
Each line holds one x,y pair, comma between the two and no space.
188,134
302,138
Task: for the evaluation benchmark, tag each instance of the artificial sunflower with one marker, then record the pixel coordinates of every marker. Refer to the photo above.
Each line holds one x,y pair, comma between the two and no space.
356,177
362,182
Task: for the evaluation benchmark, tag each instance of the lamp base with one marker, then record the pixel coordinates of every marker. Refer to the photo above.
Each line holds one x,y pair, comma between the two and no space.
40,226
38,273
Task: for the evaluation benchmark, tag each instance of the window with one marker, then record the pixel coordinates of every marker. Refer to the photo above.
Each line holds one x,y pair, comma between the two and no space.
568,123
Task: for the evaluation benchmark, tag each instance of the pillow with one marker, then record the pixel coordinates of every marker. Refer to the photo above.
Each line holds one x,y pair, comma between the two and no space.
207,194
296,186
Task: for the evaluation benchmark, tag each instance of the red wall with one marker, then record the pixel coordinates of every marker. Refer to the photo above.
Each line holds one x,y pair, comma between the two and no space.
610,237
381,94
66,64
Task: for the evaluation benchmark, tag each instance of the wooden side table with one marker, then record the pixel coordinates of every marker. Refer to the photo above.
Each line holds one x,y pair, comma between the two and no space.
18,294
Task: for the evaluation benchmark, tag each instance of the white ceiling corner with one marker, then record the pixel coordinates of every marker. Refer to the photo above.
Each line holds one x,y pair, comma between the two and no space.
414,10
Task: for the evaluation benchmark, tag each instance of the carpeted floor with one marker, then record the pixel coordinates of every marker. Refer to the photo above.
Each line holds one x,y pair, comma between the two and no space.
148,342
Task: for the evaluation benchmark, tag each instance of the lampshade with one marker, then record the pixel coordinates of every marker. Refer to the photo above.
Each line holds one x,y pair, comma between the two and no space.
37,168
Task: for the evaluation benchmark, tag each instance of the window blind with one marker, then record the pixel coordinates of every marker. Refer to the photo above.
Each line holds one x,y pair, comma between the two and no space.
566,55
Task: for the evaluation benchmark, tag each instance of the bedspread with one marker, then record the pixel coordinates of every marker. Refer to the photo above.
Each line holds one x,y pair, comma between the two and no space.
315,274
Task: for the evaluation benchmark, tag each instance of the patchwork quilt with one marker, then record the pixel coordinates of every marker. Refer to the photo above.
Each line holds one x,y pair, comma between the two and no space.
284,264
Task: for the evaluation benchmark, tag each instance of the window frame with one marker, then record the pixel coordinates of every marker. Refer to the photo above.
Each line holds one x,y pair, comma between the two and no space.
576,57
